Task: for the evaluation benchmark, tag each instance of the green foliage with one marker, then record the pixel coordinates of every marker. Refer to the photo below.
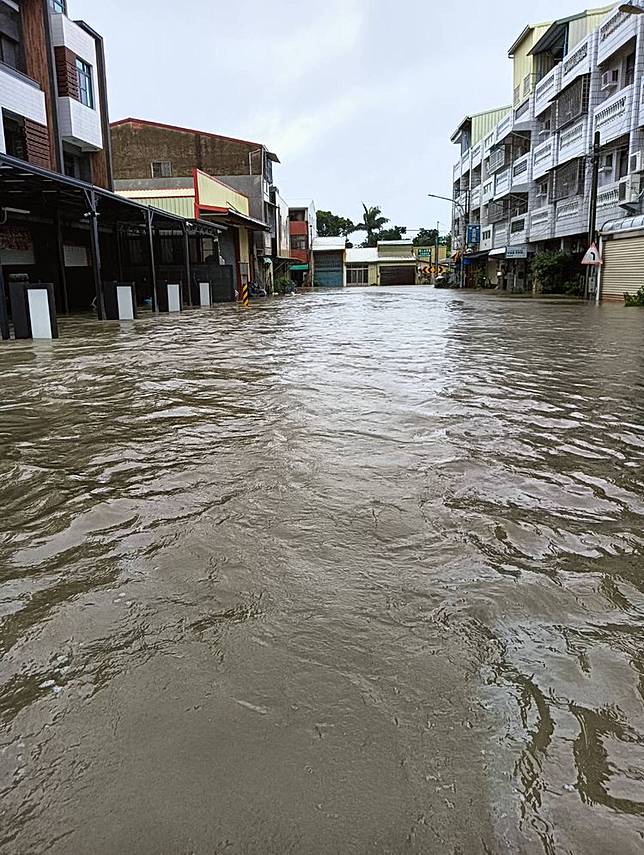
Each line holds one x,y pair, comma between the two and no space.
635,299
331,225
557,273
426,237
372,223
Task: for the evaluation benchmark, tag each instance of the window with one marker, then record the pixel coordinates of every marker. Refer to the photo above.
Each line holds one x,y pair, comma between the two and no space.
76,163
11,36
358,275
622,163
58,6
14,138
630,69
161,169
298,242
85,91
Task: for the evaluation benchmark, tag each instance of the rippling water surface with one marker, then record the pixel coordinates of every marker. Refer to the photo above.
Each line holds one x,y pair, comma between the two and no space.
350,572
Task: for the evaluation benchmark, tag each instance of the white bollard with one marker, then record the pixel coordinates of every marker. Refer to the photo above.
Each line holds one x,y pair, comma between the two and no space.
174,297
39,313
204,294
125,302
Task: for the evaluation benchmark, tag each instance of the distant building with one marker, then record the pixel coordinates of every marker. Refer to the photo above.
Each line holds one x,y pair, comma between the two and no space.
329,256
388,263
302,231
153,150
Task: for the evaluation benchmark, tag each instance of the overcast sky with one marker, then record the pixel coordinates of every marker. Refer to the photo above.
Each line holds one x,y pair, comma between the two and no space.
357,97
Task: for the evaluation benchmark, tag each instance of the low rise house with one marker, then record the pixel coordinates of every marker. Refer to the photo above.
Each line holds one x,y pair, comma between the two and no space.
329,258
397,263
362,266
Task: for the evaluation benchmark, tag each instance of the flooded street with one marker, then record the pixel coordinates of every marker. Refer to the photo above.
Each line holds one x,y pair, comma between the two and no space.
351,572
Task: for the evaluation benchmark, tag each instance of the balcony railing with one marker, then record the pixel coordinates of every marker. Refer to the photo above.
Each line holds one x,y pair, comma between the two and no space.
578,62
568,209
489,141
477,153
465,161
608,196
521,170
487,191
572,141
504,127
543,157
614,32
612,117
502,183
475,199
546,89
498,159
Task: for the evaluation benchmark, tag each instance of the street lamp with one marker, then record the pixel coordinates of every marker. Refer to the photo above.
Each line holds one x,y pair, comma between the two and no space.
464,216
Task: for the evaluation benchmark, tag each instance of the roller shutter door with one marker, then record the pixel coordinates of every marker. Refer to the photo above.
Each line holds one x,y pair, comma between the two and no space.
623,268
398,275
329,269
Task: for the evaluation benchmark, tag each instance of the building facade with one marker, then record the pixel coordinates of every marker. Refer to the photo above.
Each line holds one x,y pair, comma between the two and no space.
526,184
145,150
53,94
302,232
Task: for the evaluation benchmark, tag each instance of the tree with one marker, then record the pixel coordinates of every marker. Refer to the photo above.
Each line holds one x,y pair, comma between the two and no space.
331,225
372,223
426,237
394,233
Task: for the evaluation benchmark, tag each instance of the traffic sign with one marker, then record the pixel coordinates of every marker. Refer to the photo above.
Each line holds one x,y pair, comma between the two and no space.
592,257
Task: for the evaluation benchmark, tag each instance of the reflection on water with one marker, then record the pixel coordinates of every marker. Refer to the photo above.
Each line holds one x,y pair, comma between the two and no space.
350,572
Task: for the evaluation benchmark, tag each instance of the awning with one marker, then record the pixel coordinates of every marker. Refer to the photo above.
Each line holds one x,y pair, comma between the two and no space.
475,255
231,217
497,252
29,189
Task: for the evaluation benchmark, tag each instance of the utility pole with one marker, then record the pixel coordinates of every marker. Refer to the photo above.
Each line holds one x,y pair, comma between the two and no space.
592,218
438,241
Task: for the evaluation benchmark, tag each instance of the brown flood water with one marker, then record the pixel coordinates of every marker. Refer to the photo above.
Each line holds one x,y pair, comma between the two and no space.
351,572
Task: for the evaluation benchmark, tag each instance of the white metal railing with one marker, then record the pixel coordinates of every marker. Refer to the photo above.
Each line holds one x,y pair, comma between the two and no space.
489,141
502,182
572,139
575,59
475,201
487,191
476,152
504,126
614,109
542,152
546,87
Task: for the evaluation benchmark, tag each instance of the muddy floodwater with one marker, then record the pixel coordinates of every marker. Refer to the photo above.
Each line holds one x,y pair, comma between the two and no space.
350,572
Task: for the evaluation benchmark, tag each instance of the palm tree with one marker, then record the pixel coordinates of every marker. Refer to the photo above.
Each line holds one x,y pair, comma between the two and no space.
372,222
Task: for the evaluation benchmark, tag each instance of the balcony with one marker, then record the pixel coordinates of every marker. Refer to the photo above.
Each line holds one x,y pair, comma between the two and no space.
573,141
547,89
504,127
456,172
524,116
477,155
613,116
578,62
80,125
475,198
21,95
487,191
65,33
500,240
502,183
543,158
298,228
541,222
466,161
618,28
608,202
518,233
488,142
302,255
570,216
486,239
522,173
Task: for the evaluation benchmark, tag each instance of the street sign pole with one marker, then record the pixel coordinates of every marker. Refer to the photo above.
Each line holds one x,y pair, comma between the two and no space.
592,217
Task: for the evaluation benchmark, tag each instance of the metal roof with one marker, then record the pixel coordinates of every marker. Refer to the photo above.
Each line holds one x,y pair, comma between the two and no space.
25,186
627,224
329,244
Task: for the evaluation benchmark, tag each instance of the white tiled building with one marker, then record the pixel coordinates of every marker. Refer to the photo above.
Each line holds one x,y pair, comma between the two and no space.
527,182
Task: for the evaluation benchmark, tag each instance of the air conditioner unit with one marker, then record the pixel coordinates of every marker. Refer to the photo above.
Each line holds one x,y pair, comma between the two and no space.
610,78
635,162
606,162
629,190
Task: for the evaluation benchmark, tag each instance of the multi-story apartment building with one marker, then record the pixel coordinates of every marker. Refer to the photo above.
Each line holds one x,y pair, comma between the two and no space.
53,94
572,77
302,231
